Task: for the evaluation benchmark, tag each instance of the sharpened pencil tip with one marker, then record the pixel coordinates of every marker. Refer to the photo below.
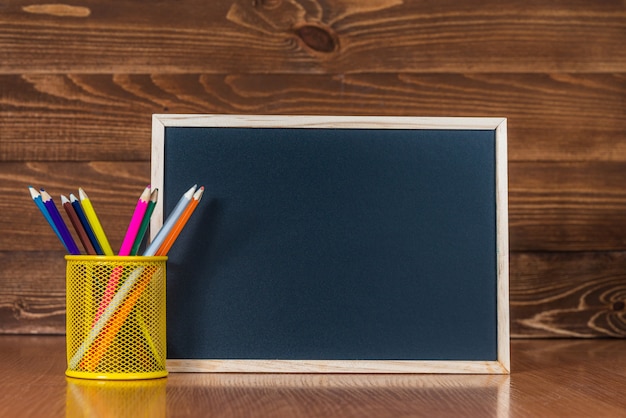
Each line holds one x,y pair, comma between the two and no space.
198,194
82,194
45,196
33,193
145,196
191,191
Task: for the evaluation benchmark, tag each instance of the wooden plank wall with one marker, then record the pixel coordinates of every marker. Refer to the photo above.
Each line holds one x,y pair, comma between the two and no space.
80,80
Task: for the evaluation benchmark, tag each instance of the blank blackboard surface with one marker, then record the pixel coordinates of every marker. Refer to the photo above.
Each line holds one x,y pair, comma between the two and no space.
333,243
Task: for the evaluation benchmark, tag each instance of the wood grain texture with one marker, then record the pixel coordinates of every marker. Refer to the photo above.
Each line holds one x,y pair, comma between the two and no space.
314,36
569,206
86,117
568,295
555,295
79,83
32,294
568,378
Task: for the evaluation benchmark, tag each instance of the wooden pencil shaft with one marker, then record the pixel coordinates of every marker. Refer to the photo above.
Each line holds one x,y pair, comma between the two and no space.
170,221
145,222
42,208
180,224
135,222
78,226
85,222
95,223
71,246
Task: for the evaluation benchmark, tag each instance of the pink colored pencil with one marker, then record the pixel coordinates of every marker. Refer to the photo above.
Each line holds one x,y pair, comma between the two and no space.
135,222
127,244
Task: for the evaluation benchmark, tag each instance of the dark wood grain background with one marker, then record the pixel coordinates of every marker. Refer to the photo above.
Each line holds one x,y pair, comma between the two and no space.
79,82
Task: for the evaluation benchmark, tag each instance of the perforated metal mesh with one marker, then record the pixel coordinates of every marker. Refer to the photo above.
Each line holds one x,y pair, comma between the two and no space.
116,317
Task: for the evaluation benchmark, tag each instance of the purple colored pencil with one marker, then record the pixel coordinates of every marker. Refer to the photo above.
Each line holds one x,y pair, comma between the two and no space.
60,224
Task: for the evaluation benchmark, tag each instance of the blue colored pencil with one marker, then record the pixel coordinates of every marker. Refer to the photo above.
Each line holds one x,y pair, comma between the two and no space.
83,220
66,237
170,222
38,201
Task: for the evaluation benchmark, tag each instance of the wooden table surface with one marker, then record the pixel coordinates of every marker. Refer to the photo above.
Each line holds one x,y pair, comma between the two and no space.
564,378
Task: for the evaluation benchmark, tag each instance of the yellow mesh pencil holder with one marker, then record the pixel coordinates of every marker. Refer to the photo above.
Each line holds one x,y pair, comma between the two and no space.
115,326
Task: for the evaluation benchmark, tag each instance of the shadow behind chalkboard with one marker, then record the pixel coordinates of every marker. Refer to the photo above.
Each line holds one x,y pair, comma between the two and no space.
339,244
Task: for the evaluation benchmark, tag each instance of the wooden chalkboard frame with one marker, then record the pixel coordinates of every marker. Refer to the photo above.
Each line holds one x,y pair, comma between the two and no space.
499,125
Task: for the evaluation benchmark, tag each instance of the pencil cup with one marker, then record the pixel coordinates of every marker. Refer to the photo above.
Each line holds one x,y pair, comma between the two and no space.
115,325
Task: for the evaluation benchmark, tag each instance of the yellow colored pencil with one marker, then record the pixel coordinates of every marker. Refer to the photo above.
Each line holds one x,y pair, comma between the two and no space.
95,223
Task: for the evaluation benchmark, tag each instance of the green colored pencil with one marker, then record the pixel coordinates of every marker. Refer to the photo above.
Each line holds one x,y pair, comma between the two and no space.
145,222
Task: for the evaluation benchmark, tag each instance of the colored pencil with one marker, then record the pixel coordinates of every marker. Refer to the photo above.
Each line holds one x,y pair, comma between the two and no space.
58,221
42,208
180,223
116,274
107,327
145,222
135,222
108,323
95,222
83,220
100,324
78,226
169,222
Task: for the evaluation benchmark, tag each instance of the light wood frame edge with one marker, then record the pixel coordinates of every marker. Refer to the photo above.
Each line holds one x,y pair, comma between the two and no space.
501,366
502,234
335,366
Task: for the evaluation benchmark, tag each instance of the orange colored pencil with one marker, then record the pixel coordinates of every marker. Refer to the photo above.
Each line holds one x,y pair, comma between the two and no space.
104,340
180,223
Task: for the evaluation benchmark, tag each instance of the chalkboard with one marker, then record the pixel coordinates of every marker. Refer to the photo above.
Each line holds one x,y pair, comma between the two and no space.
336,244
